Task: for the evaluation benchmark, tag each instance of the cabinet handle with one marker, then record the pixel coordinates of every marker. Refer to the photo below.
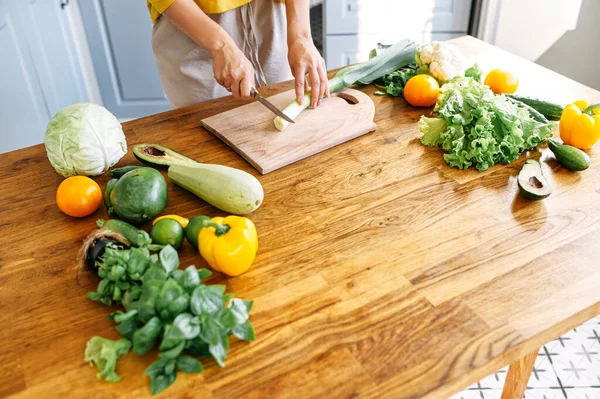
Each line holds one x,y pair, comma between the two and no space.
64,3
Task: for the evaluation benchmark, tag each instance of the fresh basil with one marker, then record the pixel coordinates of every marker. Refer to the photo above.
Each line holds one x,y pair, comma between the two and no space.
145,337
188,364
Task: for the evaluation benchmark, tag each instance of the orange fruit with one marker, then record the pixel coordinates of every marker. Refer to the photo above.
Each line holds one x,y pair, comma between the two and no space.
502,81
78,196
422,91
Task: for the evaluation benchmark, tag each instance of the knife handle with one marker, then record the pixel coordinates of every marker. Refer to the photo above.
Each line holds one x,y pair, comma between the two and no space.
254,93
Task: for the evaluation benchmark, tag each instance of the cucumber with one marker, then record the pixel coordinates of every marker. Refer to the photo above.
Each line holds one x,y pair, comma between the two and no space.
135,237
568,156
550,110
229,189
106,197
535,114
119,172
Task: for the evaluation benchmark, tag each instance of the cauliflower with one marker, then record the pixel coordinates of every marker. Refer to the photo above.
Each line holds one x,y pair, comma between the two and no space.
442,61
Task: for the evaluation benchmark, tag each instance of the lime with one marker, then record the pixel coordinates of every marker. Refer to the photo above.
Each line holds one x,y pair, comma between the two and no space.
167,231
193,229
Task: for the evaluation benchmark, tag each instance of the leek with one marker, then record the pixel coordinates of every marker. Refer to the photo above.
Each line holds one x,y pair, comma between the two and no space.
397,56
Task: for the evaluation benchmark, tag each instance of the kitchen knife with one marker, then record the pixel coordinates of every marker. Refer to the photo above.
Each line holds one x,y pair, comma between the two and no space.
271,107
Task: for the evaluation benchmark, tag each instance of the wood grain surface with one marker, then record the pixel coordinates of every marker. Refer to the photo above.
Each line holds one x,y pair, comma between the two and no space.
249,129
518,376
381,273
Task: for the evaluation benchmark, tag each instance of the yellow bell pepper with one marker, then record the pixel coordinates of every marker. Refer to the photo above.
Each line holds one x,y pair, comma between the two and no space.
580,124
228,244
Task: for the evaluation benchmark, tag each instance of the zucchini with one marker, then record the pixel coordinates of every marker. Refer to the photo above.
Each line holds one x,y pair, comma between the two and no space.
119,172
229,189
550,110
135,237
106,197
568,156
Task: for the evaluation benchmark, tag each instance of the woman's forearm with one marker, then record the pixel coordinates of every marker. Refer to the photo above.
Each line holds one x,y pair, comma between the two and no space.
192,21
298,20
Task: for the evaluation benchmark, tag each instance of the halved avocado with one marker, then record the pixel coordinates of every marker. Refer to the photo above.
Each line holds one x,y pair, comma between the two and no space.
532,183
158,156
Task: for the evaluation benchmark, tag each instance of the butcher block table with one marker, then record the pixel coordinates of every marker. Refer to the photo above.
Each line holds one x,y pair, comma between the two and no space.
381,271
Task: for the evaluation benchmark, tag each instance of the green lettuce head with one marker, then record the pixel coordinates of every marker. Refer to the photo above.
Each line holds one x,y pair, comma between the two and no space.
84,139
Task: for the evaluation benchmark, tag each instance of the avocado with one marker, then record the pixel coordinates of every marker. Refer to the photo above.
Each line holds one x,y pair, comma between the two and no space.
158,156
532,183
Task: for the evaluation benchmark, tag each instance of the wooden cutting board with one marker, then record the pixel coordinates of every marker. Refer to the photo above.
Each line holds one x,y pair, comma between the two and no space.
249,129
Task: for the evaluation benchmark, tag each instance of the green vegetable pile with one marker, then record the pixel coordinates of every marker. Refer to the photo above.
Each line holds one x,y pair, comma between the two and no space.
165,307
477,128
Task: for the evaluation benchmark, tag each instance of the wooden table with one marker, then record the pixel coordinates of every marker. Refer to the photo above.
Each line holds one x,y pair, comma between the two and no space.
382,272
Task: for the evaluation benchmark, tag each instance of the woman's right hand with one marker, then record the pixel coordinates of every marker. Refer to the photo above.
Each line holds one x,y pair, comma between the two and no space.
233,70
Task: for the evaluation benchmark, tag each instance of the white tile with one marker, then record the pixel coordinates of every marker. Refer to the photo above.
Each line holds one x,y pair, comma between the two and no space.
582,393
544,393
543,375
496,380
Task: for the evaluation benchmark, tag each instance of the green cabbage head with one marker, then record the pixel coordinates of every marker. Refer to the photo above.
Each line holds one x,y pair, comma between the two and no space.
84,139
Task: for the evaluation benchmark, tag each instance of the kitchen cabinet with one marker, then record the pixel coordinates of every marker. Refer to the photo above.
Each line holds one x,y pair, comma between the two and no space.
119,36
40,73
354,27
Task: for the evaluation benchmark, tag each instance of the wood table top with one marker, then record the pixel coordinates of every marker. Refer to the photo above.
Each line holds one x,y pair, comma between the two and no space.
381,272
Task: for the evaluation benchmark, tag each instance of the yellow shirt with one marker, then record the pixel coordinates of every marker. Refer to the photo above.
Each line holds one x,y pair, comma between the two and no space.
157,7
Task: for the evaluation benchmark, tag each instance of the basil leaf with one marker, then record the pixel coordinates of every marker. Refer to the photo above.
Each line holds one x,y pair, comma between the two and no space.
168,293
157,367
188,328
190,279
116,273
225,318
119,317
244,331
94,296
178,306
240,309
145,338
204,274
162,375
210,331
219,350
176,275
188,364
139,258
155,272
127,328
171,337
130,297
173,352
169,258
207,299
197,347
146,304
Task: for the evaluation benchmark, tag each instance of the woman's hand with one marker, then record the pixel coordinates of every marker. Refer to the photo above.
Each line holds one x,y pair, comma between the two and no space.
233,70
304,59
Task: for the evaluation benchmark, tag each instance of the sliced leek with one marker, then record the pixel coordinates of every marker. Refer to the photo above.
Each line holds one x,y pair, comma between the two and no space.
397,56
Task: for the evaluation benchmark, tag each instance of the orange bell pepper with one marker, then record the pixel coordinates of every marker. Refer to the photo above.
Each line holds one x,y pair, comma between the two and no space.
580,124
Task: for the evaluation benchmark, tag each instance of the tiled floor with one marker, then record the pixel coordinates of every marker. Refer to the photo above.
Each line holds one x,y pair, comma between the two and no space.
567,368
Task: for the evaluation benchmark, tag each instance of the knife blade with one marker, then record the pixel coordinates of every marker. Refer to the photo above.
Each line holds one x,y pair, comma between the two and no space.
270,106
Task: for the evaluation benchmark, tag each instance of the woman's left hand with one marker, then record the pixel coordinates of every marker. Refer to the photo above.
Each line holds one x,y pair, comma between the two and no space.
304,59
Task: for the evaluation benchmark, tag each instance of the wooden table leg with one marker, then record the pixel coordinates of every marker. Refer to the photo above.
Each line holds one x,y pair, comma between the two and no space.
518,376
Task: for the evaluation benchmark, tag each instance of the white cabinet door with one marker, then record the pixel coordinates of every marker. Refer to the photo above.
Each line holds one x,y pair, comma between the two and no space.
379,16
23,111
51,47
342,50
